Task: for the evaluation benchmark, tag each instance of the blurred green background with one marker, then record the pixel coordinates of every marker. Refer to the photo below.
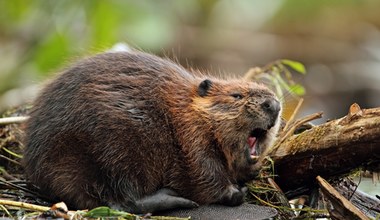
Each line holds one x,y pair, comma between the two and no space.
338,41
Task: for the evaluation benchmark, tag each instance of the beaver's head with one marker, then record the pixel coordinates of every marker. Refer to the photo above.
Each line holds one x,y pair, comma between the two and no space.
245,119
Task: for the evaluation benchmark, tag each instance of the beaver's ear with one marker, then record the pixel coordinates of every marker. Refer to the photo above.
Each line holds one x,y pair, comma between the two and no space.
204,87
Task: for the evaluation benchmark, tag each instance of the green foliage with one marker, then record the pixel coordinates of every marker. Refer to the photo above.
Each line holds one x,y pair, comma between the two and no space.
297,66
39,37
307,11
279,74
50,52
106,212
103,211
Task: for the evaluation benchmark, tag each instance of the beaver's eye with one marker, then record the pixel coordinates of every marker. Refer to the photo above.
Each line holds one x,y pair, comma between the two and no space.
237,95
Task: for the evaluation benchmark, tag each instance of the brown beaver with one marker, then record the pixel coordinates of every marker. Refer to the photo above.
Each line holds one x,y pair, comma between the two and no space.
140,133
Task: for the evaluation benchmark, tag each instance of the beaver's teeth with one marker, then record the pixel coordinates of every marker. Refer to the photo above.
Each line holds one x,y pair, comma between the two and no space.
254,157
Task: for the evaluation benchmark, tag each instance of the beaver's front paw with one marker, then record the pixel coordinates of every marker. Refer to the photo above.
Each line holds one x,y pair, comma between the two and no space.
233,195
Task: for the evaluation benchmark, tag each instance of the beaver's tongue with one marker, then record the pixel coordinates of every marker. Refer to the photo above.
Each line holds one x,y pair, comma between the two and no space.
252,142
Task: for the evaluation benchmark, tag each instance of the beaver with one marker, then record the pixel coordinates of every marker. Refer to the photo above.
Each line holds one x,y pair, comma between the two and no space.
142,134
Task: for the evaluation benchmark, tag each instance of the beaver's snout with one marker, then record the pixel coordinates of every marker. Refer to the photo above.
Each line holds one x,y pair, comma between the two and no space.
272,107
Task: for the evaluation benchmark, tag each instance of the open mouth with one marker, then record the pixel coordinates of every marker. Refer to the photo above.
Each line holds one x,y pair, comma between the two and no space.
255,137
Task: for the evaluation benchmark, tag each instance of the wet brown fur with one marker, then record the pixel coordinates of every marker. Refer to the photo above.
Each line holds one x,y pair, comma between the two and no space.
119,126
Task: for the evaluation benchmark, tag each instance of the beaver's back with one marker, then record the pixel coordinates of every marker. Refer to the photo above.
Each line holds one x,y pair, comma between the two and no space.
98,121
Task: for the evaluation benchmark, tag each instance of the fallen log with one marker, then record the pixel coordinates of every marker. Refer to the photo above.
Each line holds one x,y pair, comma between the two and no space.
333,149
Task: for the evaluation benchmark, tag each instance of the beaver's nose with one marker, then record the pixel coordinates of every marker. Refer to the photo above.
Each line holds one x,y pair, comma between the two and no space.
272,107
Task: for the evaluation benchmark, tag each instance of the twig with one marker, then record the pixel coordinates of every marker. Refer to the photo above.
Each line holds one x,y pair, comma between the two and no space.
356,188
12,153
6,175
10,160
24,205
23,189
265,202
291,119
6,211
287,208
13,120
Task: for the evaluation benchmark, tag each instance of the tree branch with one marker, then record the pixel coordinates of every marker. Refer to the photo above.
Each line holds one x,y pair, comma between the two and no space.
330,150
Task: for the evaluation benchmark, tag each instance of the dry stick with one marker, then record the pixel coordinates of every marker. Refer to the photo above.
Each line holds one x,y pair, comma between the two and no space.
10,160
6,175
291,119
13,120
28,206
300,122
22,188
341,205
6,211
